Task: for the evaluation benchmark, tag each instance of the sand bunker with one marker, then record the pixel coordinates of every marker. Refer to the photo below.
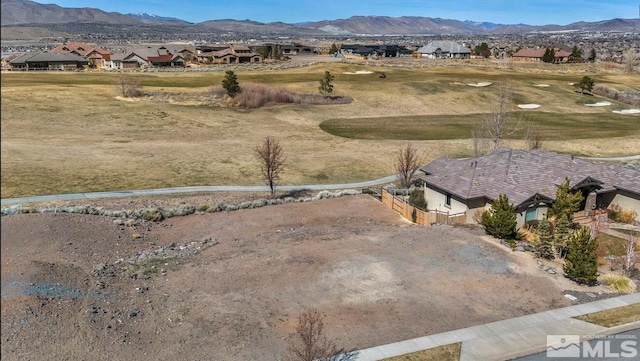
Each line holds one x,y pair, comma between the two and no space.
481,84
528,106
358,72
599,104
541,85
627,111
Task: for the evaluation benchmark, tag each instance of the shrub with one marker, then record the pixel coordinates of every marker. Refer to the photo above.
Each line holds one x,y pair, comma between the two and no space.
581,263
627,216
217,92
417,200
621,284
500,220
617,214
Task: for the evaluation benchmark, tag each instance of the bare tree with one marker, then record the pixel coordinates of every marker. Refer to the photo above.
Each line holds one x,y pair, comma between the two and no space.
631,59
407,163
480,143
271,157
128,86
311,344
532,137
501,123
630,257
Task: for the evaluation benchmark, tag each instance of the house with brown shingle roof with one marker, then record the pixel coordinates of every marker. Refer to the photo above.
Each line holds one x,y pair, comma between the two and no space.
530,179
234,54
98,57
535,55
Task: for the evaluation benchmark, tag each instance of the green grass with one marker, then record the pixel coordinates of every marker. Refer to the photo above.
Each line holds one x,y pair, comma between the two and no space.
449,352
614,316
552,126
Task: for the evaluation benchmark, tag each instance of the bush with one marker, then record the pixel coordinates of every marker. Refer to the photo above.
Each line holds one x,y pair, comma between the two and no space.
500,220
581,263
621,284
617,214
255,95
417,200
217,92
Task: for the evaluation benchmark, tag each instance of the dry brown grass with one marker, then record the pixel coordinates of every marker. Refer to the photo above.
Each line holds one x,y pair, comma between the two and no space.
69,132
614,316
442,353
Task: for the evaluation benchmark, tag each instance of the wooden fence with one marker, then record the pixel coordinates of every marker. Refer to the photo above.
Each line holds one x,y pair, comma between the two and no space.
421,217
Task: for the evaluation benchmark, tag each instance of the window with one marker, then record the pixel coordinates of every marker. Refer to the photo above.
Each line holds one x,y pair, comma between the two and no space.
447,201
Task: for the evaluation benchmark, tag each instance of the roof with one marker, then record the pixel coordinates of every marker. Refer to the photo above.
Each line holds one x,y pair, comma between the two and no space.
49,57
521,174
538,53
446,46
79,48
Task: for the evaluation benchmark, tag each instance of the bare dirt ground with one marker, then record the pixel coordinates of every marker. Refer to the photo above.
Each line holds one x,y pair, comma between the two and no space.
229,285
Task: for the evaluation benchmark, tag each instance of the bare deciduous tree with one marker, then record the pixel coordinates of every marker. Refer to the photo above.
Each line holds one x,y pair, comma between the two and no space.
501,123
128,86
271,157
311,344
407,163
532,137
631,59
630,257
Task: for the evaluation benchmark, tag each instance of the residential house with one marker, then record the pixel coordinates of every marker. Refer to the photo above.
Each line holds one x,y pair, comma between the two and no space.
357,51
146,57
501,51
443,49
49,61
234,54
98,58
535,55
530,180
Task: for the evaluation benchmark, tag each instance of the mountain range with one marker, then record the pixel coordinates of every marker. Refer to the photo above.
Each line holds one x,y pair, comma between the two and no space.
26,13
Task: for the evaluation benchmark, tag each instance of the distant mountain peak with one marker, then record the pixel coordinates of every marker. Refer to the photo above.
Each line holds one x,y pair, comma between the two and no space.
147,16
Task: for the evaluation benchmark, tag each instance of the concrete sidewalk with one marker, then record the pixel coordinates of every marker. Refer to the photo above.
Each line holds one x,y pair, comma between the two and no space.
516,337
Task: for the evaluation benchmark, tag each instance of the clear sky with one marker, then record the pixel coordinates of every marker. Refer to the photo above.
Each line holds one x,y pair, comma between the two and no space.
532,12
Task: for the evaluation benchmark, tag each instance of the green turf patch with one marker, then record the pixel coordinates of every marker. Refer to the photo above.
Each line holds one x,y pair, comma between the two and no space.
613,317
552,126
449,352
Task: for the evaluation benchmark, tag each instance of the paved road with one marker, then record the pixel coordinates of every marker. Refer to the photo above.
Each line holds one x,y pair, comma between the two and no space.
614,350
176,190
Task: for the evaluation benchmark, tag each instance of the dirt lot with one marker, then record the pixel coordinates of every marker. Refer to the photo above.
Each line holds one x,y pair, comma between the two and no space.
229,285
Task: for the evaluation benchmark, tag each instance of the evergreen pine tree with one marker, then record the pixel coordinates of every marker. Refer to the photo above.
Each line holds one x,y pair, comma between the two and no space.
545,247
230,83
549,55
566,202
561,235
581,264
326,86
500,220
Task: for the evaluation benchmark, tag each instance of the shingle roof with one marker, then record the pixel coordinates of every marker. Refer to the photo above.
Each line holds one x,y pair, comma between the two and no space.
446,46
538,53
521,174
44,57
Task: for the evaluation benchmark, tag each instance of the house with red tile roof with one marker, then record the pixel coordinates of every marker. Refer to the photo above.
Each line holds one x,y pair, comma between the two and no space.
530,179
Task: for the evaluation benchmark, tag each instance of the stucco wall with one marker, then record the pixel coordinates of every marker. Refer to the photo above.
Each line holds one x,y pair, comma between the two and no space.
627,203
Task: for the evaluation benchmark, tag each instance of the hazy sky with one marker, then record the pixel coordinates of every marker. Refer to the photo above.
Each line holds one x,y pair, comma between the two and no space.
532,12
